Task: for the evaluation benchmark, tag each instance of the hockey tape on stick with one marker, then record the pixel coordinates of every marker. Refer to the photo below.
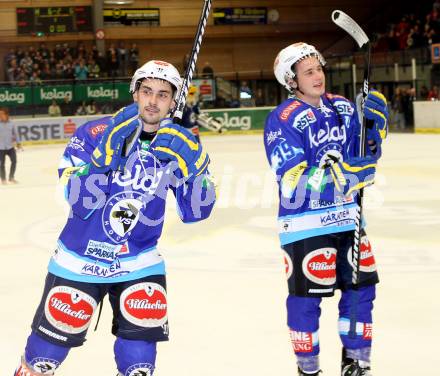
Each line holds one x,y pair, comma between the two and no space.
345,22
181,99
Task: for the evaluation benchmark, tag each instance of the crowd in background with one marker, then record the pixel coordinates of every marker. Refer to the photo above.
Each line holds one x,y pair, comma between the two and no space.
78,62
65,62
67,108
402,110
411,31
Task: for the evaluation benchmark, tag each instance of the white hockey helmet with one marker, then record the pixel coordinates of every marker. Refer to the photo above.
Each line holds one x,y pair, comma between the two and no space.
160,70
283,66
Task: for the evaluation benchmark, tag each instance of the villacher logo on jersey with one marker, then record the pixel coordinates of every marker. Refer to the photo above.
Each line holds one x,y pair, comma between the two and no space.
69,309
319,266
145,304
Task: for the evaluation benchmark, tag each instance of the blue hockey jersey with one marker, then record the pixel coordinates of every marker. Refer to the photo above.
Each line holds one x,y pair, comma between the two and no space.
116,219
299,140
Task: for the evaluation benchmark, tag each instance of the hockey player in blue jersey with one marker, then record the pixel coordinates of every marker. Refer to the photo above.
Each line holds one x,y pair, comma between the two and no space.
312,144
117,172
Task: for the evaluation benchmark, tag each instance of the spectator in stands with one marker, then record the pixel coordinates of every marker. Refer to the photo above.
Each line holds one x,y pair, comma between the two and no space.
12,71
107,108
112,60
246,99
91,108
21,79
398,109
433,94
63,61
81,110
414,37
259,98
186,61
123,59
26,60
207,71
81,71
133,58
58,73
54,109
58,52
52,58
81,52
68,71
20,54
424,93
66,106
37,59
44,51
94,69
35,78
26,64
410,99
94,53
102,64
8,59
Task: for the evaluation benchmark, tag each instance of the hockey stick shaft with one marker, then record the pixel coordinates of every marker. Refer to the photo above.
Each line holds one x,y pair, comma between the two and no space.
181,99
355,31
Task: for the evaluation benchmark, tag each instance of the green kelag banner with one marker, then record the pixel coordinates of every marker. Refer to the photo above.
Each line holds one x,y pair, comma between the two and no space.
43,94
103,92
11,96
241,119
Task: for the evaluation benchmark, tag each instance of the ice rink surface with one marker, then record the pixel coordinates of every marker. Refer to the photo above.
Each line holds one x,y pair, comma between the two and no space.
226,281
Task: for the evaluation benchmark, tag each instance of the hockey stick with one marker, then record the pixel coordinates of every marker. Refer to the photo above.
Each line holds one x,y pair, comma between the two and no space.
181,99
345,22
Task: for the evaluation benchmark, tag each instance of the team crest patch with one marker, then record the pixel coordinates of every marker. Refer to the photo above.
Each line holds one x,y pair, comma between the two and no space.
140,369
121,214
45,366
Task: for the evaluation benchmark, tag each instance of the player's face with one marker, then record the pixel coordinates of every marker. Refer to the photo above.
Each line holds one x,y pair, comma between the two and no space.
155,100
311,80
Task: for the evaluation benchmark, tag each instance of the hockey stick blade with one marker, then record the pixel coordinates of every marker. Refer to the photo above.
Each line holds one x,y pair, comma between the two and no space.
344,21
